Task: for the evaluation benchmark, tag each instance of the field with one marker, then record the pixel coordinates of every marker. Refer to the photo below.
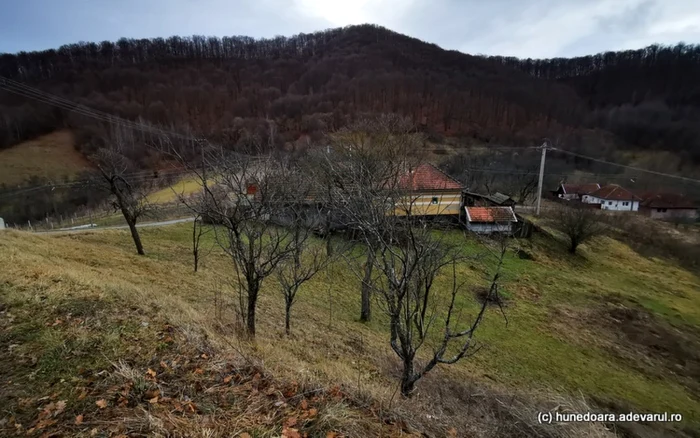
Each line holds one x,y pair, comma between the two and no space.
184,187
608,330
51,156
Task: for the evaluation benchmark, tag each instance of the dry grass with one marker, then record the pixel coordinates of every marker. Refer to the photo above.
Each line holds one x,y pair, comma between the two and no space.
141,311
51,156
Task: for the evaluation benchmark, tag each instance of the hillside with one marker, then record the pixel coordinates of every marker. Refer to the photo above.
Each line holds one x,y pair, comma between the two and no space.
49,157
231,89
607,331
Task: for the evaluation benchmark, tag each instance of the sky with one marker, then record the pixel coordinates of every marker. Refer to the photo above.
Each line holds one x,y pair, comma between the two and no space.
523,28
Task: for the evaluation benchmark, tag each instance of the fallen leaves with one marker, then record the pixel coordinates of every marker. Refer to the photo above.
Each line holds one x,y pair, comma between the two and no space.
52,409
228,379
244,435
79,419
289,432
150,374
101,403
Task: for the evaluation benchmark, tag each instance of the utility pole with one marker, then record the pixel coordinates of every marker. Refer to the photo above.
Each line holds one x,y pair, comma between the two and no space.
539,186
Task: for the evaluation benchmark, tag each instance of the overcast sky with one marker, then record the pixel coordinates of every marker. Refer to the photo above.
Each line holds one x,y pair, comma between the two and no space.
524,28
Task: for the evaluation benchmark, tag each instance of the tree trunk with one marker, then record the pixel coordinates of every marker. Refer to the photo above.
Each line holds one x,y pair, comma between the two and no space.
136,237
408,383
195,244
366,310
252,304
573,246
287,317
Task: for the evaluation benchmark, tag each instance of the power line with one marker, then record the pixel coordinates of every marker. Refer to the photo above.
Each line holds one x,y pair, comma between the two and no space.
639,169
51,99
136,177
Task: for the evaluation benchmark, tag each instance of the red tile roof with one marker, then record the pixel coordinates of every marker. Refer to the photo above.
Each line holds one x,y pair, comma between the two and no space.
574,189
666,200
615,193
428,177
490,214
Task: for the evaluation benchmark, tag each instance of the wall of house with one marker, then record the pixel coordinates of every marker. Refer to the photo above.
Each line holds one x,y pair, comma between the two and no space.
671,213
431,204
610,204
568,196
483,228
588,199
619,205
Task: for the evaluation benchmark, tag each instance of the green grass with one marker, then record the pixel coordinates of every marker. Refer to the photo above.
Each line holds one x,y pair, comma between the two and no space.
559,337
185,187
530,352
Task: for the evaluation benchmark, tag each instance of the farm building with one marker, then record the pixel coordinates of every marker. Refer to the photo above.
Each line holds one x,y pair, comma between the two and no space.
497,199
668,206
489,220
612,197
572,192
428,191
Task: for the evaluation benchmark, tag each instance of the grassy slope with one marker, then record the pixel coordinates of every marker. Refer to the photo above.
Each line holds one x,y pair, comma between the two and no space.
51,156
183,188
564,333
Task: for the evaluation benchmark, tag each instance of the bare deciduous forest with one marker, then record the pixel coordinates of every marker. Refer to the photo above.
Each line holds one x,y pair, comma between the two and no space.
229,89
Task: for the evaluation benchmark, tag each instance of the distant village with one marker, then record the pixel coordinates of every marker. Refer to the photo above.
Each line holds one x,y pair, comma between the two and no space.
615,198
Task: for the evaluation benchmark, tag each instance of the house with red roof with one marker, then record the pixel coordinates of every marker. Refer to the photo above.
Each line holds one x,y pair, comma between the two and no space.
668,206
490,220
612,197
428,191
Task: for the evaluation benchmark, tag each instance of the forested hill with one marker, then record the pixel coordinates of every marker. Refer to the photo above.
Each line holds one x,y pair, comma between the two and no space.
232,89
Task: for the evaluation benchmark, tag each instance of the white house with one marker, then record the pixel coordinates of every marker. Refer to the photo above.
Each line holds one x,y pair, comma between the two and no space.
613,197
488,220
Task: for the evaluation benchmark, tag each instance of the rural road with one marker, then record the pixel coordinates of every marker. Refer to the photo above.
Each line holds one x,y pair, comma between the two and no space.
120,227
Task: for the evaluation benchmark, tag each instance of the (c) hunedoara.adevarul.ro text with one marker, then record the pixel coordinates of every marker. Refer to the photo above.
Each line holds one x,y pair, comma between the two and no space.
578,417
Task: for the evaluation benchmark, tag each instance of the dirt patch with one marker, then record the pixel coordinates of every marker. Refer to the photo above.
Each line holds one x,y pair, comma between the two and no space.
633,335
679,352
483,295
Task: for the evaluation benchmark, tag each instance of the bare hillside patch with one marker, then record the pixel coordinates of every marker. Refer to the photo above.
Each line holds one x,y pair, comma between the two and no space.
51,156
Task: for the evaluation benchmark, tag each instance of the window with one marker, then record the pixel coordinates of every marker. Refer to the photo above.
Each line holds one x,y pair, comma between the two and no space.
609,202
434,200
625,203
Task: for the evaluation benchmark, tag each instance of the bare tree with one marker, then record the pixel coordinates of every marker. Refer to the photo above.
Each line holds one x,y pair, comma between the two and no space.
410,256
199,230
405,253
578,223
304,260
116,170
363,158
